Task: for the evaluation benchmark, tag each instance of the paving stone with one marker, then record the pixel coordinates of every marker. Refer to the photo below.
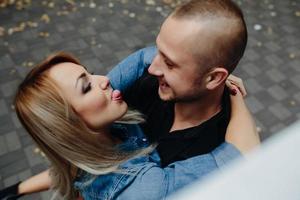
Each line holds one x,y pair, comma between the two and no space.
12,141
275,75
277,92
296,80
39,168
15,120
92,64
11,180
3,146
23,175
279,111
277,128
40,53
295,65
253,86
33,158
267,118
46,195
272,46
14,167
273,60
297,96
11,157
6,124
251,69
3,108
26,140
6,62
254,105
9,88
35,196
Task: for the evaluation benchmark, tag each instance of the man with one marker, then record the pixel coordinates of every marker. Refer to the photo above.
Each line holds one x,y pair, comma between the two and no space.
183,95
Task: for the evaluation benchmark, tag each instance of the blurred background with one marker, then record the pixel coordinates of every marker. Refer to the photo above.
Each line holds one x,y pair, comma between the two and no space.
101,33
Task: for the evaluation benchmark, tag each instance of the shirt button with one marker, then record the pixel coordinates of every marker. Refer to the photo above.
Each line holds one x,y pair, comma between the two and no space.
144,139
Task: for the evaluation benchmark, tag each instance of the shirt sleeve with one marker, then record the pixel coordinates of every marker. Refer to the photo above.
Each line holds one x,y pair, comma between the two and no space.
124,74
155,182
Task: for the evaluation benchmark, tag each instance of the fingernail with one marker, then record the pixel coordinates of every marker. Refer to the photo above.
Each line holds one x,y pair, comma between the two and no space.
234,92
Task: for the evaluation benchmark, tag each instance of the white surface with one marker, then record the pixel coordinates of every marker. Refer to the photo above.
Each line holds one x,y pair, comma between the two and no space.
269,173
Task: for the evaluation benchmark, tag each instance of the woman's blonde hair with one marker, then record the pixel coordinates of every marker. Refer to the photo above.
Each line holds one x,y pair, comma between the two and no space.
61,134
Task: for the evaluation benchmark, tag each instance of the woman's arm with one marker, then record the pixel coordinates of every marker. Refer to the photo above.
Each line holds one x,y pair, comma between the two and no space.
37,183
241,130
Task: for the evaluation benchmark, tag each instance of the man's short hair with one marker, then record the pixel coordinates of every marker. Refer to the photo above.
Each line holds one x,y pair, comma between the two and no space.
228,48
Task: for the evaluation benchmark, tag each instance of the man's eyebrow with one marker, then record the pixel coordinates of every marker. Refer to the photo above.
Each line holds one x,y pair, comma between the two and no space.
82,75
166,57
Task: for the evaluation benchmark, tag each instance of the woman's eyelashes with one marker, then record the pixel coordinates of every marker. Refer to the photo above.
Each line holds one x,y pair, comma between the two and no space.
87,86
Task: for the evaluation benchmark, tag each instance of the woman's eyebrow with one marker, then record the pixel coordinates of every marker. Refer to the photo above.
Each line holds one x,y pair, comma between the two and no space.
82,75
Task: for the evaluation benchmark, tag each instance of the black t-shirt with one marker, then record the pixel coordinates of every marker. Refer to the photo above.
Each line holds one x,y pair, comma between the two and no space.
179,144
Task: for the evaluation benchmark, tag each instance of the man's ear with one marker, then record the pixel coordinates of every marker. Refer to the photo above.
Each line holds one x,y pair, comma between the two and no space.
216,77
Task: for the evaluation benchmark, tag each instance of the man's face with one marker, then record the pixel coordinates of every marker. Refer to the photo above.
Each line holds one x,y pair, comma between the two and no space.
179,74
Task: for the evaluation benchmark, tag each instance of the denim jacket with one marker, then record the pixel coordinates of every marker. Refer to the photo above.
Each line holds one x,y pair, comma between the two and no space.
142,177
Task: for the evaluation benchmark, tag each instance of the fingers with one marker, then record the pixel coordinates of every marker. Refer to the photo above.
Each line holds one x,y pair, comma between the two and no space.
238,82
233,89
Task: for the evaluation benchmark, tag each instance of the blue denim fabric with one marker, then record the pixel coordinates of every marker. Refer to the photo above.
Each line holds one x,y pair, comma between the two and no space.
142,177
130,69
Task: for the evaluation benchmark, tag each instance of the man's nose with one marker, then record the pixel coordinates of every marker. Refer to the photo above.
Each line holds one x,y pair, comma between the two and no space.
104,84
155,68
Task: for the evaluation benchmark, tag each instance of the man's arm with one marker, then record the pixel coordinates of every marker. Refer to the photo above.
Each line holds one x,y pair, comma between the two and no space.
131,68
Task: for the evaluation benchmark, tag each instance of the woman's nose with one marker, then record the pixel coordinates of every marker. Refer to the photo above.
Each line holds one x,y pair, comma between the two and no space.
104,84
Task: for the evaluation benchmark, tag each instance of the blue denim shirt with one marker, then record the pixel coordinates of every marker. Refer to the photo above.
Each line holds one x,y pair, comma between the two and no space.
142,177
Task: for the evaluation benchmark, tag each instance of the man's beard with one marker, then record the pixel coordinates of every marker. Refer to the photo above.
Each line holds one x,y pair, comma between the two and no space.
193,95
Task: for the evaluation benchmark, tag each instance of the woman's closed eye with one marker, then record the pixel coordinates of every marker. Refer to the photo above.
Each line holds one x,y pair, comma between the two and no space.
86,88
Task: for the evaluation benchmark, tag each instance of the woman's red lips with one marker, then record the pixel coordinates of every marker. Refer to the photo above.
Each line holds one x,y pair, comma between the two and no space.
116,95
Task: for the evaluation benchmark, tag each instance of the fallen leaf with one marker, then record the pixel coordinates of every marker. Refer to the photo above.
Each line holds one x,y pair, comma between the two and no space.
257,27
44,34
51,5
110,5
92,5
132,15
292,55
150,2
70,2
36,150
292,103
45,18
32,24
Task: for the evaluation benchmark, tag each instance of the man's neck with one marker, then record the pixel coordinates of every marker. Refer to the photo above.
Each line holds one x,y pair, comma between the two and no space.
190,114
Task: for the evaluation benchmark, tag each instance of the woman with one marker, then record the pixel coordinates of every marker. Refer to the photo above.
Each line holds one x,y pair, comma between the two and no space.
71,115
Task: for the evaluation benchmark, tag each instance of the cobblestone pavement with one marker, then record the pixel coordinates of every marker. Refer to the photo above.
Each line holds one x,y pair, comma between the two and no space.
101,33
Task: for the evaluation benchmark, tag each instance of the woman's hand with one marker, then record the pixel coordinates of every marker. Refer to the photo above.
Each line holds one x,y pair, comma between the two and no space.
238,83
241,130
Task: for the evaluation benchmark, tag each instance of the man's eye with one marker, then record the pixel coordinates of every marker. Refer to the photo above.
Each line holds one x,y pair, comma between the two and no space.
87,88
170,65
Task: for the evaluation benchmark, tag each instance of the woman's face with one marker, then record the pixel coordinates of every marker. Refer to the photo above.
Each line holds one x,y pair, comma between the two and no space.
91,96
